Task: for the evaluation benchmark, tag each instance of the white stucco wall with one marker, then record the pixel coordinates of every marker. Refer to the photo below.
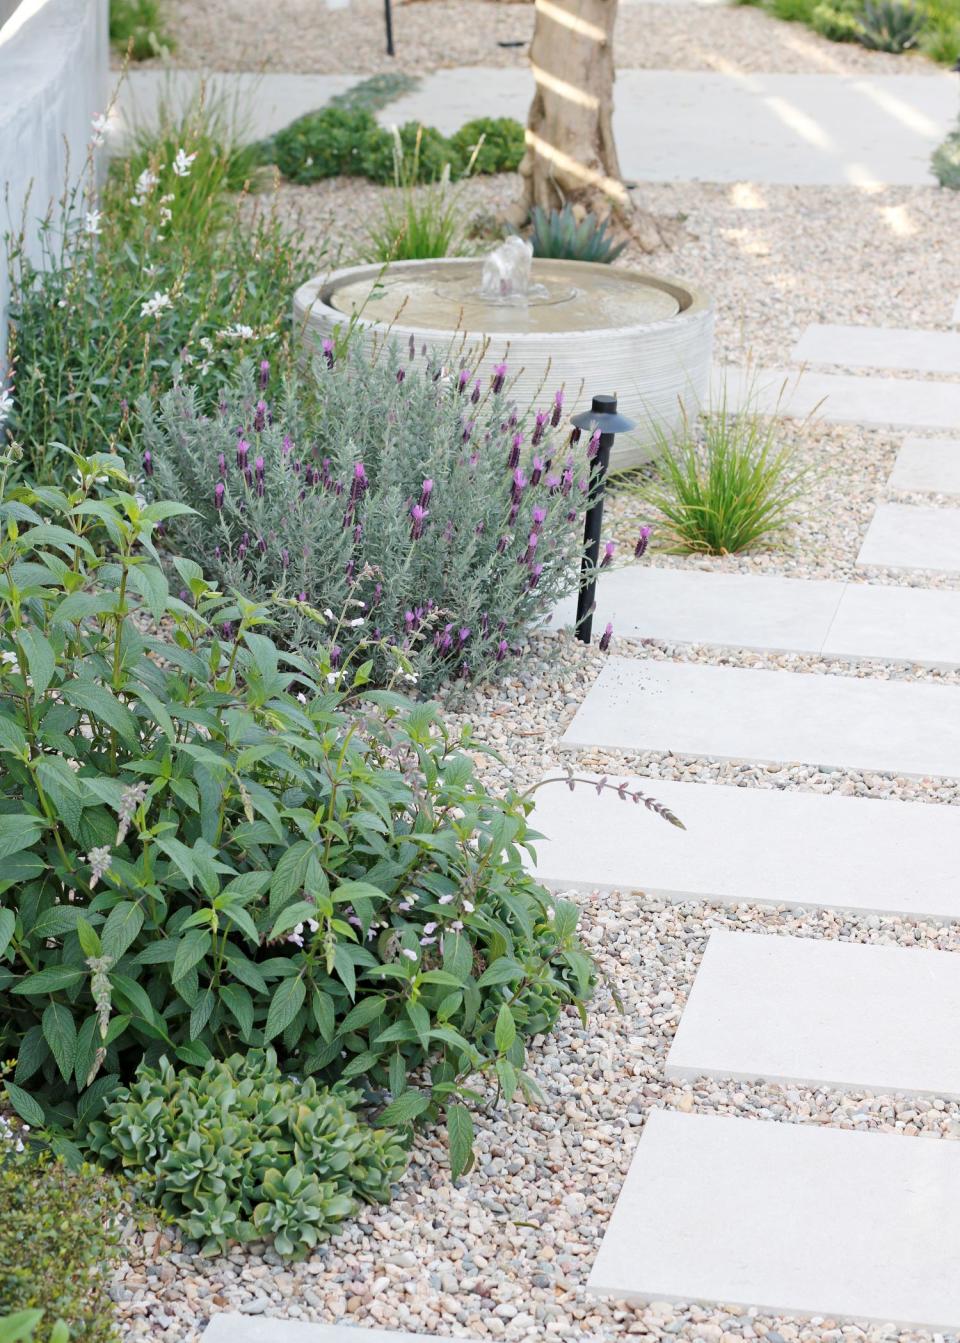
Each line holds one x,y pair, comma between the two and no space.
54,77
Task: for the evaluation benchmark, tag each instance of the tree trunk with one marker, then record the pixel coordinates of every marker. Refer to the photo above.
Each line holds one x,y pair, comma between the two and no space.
571,155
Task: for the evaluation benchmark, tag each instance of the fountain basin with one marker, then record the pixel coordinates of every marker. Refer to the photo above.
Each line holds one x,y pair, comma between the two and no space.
588,327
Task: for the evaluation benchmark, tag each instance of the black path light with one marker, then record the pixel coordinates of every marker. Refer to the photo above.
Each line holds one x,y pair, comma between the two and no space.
388,19
602,415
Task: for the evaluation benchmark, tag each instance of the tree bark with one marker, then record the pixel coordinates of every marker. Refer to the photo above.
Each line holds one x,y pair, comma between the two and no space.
571,156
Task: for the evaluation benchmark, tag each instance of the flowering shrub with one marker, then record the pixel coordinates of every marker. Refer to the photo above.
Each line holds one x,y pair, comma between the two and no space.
209,845
59,1238
299,1159
158,277
413,497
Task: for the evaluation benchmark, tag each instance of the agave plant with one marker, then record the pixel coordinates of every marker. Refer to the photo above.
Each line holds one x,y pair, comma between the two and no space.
560,235
890,25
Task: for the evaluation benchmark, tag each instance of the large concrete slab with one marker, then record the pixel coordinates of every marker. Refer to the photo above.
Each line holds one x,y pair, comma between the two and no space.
794,1219
913,536
735,713
790,129
896,624
759,845
928,464
231,1327
697,606
843,398
816,1012
880,347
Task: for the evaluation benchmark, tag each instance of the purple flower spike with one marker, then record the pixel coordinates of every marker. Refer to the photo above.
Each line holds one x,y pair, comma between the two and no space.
222,465
464,634
260,417
218,494
148,463
475,394
553,484
503,648
419,514
574,436
605,638
243,448
640,549
499,378
286,445
535,571
285,558
539,517
609,550
539,427
328,351
462,380
593,447
264,374
426,489
335,654
468,428
401,374
557,408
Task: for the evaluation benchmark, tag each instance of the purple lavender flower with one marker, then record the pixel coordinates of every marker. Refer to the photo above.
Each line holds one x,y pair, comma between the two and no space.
557,408
475,394
243,449
531,549
401,374
335,654
285,558
566,482
643,540
514,458
462,380
499,378
502,545
260,417
222,465
226,630
609,550
148,463
328,351
503,648
539,517
262,545
264,374
360,482
519,484
553,484
605,638
535,571
537,471
419,514
539,427
593,447
218,494
286,445
258,469
464,634
468,428
574,437
426,489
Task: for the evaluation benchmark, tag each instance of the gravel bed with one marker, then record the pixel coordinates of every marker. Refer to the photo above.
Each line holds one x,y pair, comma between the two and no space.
303,35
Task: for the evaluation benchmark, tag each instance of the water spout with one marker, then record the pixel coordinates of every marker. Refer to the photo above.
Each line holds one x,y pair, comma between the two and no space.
506,273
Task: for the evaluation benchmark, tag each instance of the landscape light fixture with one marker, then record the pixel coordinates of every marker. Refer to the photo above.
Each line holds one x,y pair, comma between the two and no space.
602,415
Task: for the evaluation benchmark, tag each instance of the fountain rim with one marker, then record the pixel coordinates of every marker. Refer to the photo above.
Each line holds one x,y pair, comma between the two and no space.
310,301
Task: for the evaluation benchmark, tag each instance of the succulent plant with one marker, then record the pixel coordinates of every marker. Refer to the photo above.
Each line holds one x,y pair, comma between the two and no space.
945,161
562,236
890,25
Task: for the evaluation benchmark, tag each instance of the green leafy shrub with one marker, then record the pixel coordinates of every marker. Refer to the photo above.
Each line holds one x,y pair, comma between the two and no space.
334,142
128,297
58,1242
940,39
945,161
377,91
561,235
211,846
424,155
239,1152
837,24
419,221
139,27
729,487
498,143
890,25
434,534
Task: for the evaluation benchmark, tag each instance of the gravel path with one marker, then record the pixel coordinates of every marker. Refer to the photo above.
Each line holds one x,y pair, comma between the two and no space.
303,35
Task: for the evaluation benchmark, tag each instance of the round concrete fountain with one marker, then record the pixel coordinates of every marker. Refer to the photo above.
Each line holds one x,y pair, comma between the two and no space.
588,327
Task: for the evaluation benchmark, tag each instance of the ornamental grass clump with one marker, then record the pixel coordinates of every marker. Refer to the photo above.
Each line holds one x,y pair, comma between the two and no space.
411,495
211,845
238,1152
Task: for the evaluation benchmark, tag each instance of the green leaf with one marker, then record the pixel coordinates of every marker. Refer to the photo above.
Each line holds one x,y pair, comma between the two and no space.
89,940
460,1137
289,918
21,1326
501,971
397,1073
507,1075
240,1005
25,1106
99,702
60,1033
41,658
18,832
150,582
192,948
366,1010
324,1015
506,1030
289,874
8,922
420,1020
121,928
50,980
56,921
404,1109
284,1006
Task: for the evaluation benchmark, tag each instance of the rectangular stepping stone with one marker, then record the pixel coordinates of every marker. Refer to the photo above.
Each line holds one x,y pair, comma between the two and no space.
912,536
696,606
843,398
794,1219
763,846
919,625
735,713
879,347
822,1013
931,464
231,1327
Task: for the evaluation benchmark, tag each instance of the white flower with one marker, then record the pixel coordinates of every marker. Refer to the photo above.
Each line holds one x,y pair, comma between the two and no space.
355,624
99,125
328,614
410,955
237,332
146,182
331,678
153,307
166,214
91,222
468,906
445,900
6,403
182,163
206,344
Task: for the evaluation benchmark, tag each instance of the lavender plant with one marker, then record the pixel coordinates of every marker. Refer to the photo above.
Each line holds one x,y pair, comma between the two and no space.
412,495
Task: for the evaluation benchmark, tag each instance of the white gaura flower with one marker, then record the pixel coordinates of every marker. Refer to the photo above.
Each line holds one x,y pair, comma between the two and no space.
91,222
146,182
99,125
239,331
153,307
183,162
